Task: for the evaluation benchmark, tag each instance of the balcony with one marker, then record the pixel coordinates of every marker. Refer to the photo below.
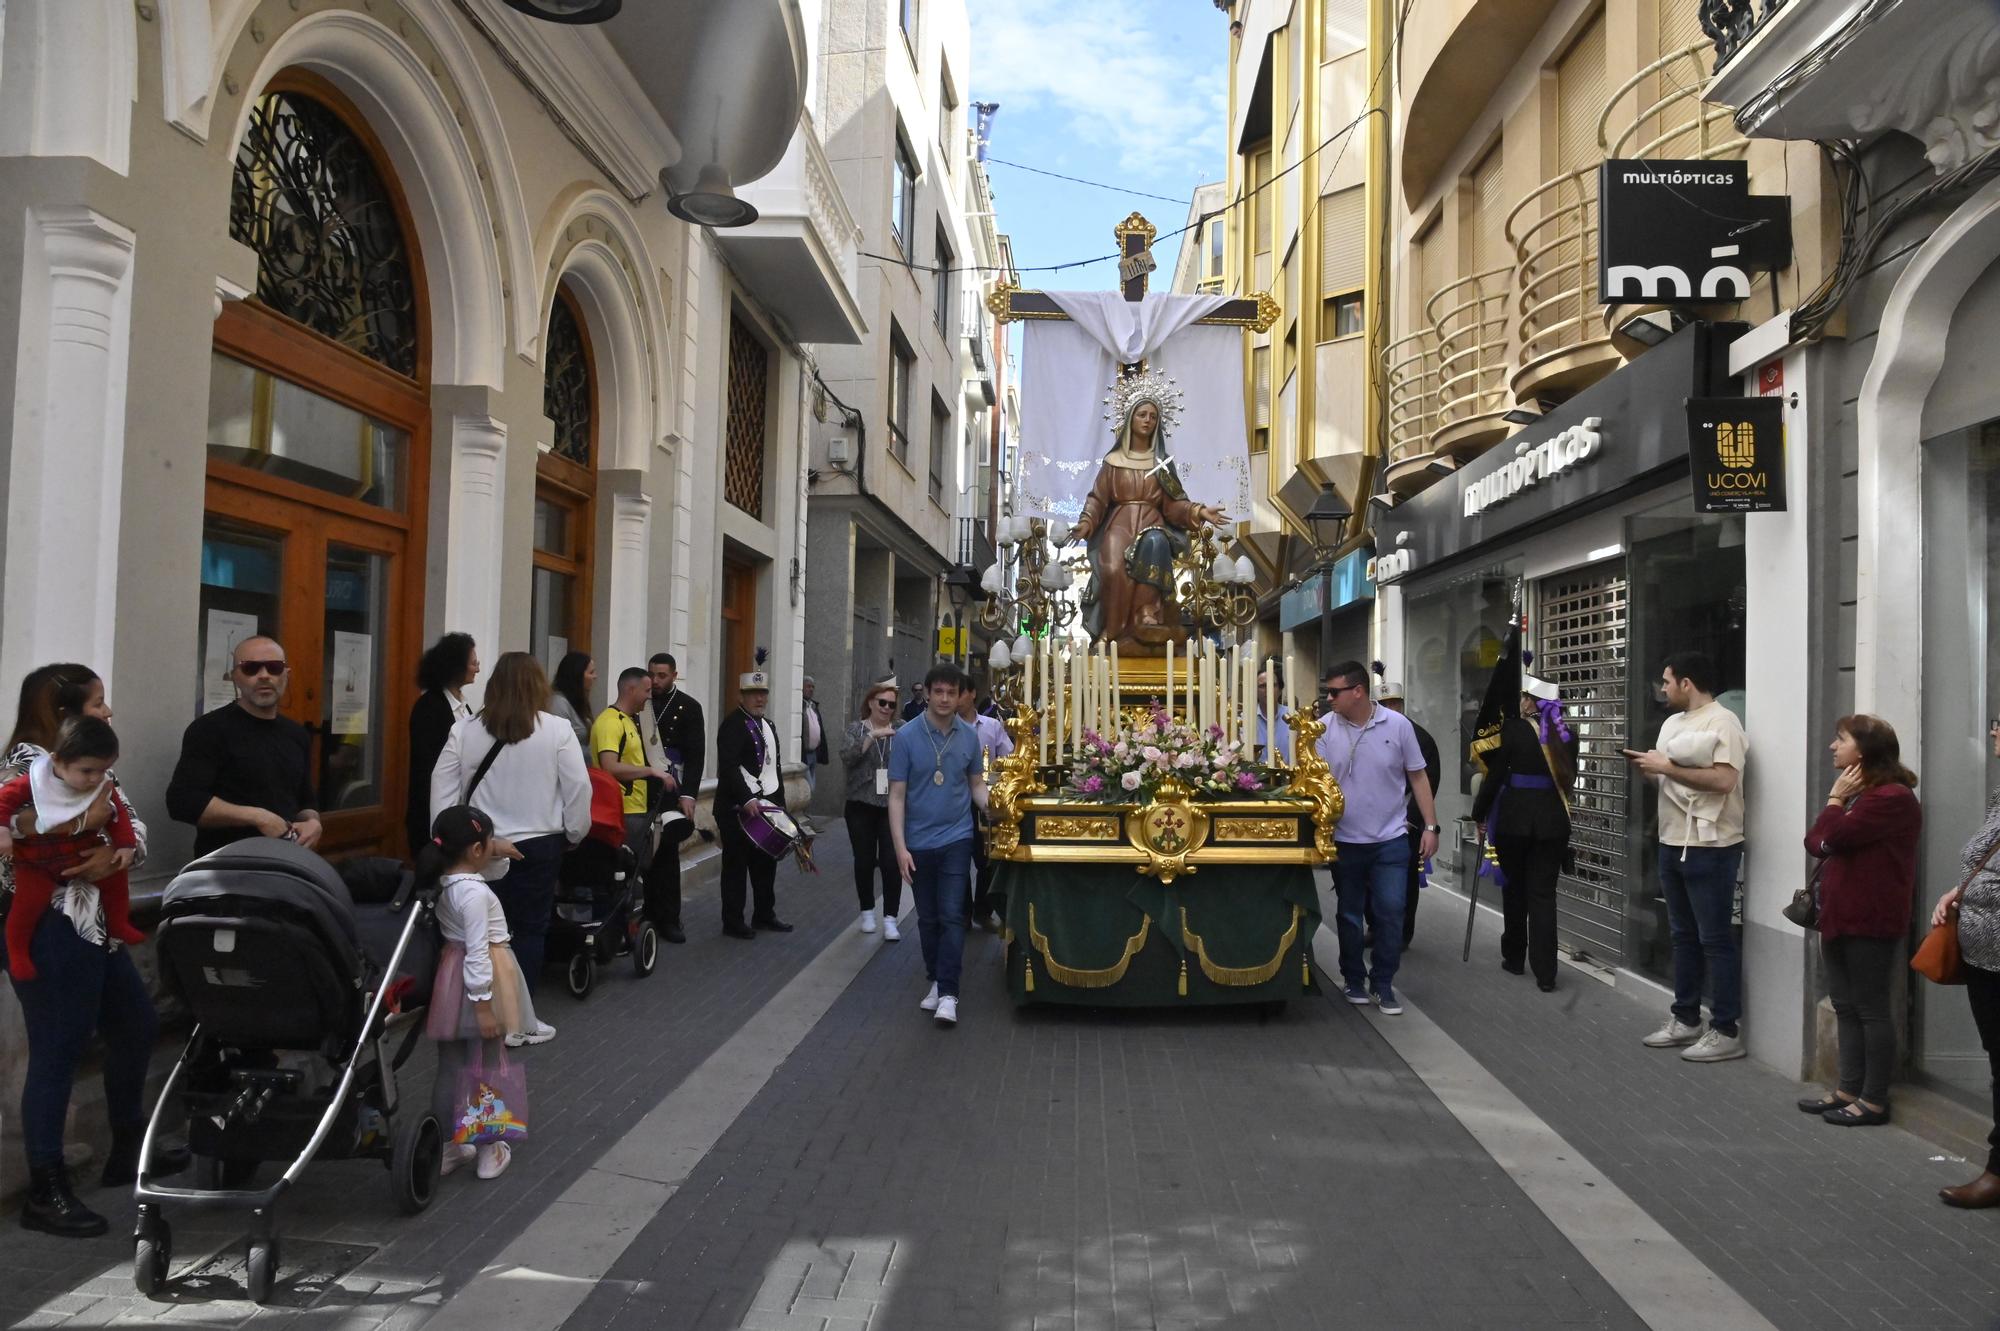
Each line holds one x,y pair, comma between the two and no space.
980,389
1412,411
1470,320
798,260
1851,69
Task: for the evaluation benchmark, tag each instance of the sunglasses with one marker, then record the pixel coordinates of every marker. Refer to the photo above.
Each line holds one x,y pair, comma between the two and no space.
255,668
891,702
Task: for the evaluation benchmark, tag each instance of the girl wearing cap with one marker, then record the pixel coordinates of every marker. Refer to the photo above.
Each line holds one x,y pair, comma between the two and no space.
1523,809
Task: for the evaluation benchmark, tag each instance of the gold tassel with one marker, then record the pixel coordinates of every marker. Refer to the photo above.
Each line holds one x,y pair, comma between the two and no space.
1183,977
1028,965
1305,971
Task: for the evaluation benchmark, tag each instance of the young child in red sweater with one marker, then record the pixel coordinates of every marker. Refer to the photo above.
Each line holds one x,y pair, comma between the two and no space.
61,786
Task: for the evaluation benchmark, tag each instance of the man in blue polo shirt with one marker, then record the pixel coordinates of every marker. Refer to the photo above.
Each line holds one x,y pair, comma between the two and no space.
1375,757
935,779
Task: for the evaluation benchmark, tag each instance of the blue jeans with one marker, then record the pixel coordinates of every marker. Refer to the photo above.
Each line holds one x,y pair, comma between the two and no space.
1371,878
80,989
940,890
1701,898
528,899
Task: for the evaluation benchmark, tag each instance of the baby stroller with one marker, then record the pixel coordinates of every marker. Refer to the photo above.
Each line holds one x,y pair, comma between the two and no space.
599,916
295,991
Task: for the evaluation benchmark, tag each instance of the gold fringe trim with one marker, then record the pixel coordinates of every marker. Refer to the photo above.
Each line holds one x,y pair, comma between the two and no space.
1087,979
1242,976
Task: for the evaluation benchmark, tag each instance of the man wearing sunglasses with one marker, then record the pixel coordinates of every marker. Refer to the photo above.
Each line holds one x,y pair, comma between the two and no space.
244,770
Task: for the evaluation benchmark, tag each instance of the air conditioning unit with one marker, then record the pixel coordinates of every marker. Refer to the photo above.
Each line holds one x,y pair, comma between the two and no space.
840,448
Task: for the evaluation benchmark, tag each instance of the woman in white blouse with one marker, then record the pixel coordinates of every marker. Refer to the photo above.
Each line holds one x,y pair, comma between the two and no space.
523,766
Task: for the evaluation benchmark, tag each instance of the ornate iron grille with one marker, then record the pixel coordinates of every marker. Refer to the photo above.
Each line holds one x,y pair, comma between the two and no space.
1583,652
566,385
743,459
331,252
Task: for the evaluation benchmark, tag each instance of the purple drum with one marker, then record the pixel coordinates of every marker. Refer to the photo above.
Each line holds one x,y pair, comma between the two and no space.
769,828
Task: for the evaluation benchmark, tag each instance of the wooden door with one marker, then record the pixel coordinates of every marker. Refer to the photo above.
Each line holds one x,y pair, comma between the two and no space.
739,626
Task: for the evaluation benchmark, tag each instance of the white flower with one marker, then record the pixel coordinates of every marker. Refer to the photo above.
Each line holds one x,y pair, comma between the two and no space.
1150,753
1130,781
1186,760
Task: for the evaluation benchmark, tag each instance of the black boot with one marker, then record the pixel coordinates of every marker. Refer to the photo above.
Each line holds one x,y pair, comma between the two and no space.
53,1208
121,1165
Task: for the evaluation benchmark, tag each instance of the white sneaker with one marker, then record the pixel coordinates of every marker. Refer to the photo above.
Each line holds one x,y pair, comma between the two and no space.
930,1003
493,1159
454,1156
1715,1047
867,921
890,933
542,1034
1675,1033
947,1012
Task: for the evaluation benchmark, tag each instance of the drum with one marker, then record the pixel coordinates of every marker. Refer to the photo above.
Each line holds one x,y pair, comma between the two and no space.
769,828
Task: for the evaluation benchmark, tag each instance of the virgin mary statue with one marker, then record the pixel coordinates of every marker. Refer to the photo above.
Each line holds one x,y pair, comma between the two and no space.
1136,519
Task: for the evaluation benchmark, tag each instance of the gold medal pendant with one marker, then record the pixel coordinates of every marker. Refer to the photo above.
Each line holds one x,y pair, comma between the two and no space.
937,777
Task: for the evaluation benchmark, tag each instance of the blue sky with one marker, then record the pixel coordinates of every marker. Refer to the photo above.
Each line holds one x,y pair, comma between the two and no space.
1130,92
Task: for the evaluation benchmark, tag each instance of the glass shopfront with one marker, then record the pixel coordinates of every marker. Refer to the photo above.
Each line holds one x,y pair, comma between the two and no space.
1961,691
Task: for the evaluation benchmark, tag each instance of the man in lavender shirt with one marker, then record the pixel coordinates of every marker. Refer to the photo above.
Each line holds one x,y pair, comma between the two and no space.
1375,757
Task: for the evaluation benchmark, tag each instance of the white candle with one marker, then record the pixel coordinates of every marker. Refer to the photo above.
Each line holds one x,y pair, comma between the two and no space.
1117,691
1249,735
1028,682
1048,719
1230,679
1271,750
1170,674
1103,690
1207,695
1291,685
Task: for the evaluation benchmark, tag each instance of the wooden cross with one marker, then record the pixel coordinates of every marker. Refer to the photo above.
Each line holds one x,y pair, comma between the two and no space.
1135,240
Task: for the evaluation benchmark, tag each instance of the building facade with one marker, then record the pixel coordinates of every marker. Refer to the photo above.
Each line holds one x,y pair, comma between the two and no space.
900,416
355,323
1302,153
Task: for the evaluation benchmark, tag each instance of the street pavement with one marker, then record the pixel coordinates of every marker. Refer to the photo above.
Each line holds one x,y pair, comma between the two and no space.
1070,1169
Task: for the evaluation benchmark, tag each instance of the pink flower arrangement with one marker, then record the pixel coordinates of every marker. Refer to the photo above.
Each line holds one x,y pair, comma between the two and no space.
1118,767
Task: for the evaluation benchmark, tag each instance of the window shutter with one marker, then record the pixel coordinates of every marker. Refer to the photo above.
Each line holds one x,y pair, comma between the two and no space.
1343,240
1580,94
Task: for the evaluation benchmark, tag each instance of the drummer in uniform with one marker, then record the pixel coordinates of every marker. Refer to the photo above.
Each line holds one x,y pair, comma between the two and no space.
746,769
676,739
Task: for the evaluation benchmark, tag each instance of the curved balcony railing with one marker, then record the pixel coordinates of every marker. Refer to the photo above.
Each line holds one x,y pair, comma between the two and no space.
1413,378
1671,120
1554,234
1470,320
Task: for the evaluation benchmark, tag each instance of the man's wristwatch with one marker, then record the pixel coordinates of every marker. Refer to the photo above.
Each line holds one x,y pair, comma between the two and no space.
1433,827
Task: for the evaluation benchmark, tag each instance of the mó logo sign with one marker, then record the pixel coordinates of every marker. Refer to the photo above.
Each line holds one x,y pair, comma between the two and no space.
1534,464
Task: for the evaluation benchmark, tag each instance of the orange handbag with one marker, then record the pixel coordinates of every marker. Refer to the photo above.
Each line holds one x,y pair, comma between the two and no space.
1938,958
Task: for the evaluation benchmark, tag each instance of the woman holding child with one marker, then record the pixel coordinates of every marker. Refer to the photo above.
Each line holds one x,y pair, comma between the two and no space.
84,982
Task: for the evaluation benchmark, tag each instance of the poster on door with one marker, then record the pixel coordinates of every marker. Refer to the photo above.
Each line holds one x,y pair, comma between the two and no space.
353,657
226,628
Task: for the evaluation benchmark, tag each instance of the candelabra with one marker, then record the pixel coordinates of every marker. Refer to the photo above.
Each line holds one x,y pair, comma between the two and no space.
1213,587
1035,603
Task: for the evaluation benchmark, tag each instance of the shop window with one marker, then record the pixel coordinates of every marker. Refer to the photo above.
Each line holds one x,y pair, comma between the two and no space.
316,449
565,490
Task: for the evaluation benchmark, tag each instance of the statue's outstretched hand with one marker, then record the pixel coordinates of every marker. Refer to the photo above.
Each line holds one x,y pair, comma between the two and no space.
1214,517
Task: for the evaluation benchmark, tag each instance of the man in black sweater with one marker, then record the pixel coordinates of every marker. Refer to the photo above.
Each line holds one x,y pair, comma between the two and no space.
244,770
672,728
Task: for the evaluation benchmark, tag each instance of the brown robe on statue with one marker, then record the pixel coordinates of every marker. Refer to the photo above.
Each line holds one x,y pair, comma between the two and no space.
1125,500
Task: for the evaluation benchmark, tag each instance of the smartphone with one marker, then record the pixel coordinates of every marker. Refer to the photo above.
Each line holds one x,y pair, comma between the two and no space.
1633,753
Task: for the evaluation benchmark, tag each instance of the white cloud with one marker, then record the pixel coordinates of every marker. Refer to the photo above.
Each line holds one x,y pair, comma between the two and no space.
1116,79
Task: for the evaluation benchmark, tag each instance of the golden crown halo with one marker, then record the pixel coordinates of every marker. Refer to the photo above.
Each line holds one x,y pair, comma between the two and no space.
1145,386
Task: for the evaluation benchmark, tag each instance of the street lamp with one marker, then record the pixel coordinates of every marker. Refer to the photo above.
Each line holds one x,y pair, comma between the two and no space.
963,589
1327,519
568,11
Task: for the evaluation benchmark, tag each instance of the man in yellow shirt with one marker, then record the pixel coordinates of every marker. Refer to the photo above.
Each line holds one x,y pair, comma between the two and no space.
616,746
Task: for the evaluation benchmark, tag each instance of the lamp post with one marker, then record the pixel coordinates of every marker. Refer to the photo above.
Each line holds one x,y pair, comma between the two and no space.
1327,520
963,589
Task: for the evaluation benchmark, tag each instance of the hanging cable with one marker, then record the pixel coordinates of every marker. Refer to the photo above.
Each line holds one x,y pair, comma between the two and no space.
1094,184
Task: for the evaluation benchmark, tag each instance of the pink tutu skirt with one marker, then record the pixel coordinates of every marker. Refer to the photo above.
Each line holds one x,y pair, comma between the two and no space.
452,1015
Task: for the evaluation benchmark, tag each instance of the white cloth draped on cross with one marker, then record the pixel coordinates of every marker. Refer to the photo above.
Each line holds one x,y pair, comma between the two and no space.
1069,364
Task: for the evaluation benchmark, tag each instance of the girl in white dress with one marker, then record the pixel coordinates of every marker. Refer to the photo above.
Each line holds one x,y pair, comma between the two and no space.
479,996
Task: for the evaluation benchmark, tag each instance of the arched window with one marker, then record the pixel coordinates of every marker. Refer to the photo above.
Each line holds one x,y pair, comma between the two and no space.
565,488
317,442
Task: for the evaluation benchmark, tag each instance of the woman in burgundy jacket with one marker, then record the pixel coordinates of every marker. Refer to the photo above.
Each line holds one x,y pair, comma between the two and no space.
1867,834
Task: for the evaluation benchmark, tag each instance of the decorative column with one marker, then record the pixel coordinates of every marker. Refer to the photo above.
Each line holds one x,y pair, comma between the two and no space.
67,458
475,549
631,534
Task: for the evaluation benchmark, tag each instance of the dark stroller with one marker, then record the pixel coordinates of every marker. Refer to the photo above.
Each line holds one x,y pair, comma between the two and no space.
598,915
294,990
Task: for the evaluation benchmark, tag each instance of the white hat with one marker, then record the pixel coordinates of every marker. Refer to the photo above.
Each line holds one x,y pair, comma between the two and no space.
755,679
1391,688
1539,688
